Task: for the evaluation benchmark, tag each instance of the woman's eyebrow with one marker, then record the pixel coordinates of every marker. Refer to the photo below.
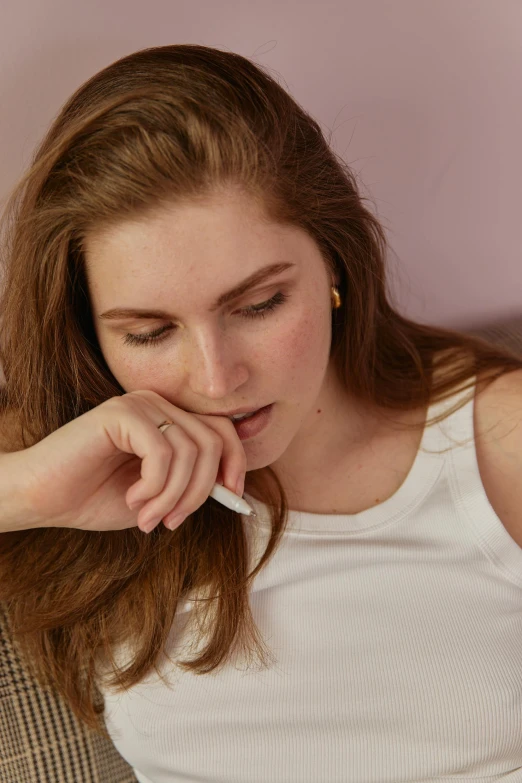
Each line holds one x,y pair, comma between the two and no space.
249,282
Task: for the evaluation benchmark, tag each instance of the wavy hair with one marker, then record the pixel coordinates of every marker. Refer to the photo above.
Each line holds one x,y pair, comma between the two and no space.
167,125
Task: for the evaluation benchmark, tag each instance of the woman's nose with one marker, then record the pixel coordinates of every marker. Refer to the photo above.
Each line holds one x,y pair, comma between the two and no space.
215,369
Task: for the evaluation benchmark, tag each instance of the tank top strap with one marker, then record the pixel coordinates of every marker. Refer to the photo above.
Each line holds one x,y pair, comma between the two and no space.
456,430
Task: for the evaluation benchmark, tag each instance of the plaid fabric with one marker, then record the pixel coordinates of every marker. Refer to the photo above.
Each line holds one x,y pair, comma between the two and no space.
41,741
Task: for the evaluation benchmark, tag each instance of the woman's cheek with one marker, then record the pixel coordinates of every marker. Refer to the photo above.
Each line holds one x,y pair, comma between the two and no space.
301,345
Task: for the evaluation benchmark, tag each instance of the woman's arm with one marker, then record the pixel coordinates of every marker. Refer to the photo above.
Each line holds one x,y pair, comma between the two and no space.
15,513
15,510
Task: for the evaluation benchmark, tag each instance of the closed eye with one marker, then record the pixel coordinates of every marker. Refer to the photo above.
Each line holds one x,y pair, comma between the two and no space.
254,311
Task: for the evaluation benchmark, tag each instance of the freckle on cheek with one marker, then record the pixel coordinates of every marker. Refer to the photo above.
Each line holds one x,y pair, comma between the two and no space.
305,336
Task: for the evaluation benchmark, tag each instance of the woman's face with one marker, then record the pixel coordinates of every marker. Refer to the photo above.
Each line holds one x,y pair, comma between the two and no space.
213,357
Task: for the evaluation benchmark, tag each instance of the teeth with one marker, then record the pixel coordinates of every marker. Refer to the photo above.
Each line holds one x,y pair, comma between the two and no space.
242,416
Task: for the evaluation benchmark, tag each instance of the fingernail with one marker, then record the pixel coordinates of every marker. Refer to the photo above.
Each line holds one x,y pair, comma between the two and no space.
151,523
175,521
136,504
240,488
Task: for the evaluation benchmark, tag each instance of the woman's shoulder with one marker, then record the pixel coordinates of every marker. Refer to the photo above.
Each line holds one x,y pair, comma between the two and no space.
498,435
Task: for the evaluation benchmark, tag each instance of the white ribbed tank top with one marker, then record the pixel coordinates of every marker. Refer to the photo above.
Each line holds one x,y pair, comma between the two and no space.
397,634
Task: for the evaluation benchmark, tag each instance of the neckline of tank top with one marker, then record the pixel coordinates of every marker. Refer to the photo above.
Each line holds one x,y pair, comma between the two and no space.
422,476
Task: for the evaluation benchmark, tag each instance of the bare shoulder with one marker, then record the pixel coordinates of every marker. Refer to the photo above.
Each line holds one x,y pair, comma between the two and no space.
498,439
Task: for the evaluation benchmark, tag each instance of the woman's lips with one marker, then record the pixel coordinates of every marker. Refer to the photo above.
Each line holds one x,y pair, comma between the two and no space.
247,428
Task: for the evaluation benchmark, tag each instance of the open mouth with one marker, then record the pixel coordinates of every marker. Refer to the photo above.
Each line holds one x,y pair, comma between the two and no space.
252,423
244,416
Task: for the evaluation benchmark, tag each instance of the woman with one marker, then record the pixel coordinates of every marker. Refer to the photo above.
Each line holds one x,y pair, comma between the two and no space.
184,247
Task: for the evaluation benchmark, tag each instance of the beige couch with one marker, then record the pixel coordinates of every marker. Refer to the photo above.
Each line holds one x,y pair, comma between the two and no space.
40,739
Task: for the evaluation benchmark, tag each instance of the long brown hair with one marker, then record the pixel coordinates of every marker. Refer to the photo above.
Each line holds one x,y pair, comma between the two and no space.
170,124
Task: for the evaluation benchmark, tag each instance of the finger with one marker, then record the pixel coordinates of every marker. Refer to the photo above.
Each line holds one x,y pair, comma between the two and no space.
160,492
131,432
233,463
186,490
233,460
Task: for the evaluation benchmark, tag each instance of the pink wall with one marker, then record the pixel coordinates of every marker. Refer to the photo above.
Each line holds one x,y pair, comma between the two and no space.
423,99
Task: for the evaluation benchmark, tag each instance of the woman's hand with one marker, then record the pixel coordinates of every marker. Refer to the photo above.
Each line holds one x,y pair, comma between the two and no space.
86,473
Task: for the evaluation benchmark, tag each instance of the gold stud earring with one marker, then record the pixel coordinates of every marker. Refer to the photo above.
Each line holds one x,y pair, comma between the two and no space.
336,298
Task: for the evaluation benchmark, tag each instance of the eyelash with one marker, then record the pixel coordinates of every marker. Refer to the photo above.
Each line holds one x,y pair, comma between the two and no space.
249,312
